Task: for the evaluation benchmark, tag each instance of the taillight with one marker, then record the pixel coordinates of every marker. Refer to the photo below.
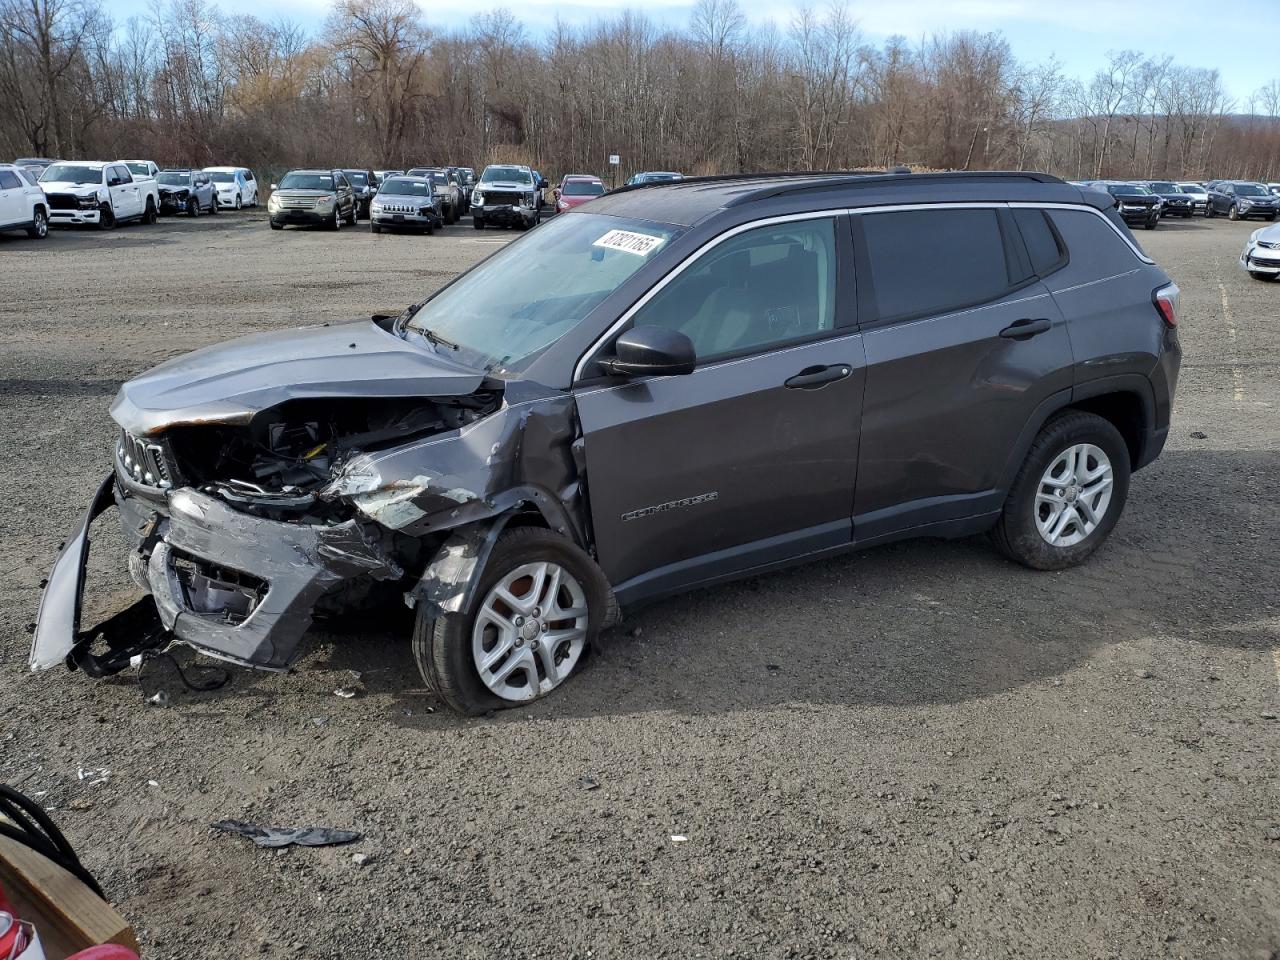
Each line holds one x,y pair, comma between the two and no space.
1166,300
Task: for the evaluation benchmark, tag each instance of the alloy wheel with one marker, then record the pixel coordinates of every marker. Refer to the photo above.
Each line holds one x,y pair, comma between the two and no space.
1073,495
530,631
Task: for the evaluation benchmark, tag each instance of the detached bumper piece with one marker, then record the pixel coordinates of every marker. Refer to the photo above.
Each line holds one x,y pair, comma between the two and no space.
234,586
58,637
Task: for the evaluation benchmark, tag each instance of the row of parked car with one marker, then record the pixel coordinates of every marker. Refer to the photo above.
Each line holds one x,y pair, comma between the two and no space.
1145,202
422,198
36,193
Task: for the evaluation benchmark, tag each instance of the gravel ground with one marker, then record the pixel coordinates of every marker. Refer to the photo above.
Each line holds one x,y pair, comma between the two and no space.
920,750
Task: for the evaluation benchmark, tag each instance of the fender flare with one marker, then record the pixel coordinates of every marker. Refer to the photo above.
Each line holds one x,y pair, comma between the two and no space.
1133,383
448,582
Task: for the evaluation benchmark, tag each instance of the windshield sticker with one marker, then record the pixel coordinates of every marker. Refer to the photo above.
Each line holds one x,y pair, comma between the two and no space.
641,244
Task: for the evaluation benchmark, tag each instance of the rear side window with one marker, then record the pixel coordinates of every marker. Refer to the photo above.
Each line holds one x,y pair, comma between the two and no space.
1043,246
8,180
926,262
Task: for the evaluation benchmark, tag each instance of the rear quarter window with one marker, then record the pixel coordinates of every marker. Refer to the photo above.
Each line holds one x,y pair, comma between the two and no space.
1096,250
1043,246
928,262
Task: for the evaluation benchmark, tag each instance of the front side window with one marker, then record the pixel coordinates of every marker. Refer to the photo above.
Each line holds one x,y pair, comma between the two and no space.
927,262
529,294
121,175
141,169
762,288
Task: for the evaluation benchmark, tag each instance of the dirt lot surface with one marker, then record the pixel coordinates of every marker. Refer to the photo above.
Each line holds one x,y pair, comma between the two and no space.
921,750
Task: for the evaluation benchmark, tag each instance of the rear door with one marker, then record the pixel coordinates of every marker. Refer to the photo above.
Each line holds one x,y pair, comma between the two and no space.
963,343
750,458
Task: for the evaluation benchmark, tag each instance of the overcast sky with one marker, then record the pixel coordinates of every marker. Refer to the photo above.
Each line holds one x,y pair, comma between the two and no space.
1243,48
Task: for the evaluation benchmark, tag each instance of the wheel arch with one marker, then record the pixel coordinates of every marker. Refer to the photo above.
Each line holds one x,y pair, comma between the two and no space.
1127,401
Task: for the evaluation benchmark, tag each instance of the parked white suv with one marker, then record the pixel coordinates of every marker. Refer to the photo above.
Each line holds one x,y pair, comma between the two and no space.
236,186
22,203
102,194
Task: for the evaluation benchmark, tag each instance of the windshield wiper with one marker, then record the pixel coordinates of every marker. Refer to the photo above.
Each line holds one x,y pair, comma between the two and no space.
436,338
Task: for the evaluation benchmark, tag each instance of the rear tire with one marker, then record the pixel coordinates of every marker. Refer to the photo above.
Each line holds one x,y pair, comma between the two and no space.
39,228
354,215
374,228
444,646
276,226
1035,498
477,222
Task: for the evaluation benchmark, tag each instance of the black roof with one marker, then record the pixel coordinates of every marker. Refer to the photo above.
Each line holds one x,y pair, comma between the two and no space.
686,202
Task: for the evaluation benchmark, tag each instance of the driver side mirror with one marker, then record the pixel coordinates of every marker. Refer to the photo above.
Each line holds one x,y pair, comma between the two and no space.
652,352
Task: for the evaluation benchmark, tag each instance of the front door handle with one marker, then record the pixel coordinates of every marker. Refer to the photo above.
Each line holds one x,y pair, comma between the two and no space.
1025,329
812,378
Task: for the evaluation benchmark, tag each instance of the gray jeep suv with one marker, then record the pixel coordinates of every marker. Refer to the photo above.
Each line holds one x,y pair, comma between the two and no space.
682,384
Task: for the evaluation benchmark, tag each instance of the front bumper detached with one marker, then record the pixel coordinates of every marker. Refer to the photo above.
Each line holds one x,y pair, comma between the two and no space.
232,585
504,213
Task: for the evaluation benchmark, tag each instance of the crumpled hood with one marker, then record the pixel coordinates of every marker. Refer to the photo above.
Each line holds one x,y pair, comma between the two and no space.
230,382
65,186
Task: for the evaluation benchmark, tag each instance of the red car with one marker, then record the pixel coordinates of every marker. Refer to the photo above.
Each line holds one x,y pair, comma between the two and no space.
576,189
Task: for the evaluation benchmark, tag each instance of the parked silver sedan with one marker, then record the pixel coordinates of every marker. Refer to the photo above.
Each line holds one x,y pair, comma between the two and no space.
408,203
1261,255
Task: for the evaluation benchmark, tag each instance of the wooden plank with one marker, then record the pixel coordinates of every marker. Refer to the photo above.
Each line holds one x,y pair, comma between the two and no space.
68,914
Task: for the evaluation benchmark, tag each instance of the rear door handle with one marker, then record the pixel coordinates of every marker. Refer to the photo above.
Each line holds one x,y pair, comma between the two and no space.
1025,329
812,378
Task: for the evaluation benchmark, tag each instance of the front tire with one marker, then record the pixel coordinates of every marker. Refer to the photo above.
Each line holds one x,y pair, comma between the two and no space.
150,216
193,207
239,202
1233,213
276,226
106,217
213,204
539,605
1068,494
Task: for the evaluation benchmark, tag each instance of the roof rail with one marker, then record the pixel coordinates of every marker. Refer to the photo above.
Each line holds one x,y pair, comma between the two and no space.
747,178
914,179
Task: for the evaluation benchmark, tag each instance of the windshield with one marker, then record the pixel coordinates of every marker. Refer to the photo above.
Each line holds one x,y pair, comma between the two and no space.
174,179
404,187
657,177
357,178
221,176
1250,190
1162,187
528,295
507,174
1131,189
1191,188
71,173
306,181
141,169
583,188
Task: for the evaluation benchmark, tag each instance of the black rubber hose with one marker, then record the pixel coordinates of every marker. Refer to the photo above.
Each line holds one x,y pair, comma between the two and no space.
42,835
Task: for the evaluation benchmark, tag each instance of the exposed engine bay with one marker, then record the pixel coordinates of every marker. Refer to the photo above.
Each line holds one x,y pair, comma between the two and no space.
278,464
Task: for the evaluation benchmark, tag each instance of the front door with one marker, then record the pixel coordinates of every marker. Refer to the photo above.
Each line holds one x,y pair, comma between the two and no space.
14,206
963,343
750,458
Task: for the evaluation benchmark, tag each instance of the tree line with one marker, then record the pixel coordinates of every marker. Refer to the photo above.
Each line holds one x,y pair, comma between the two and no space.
376,87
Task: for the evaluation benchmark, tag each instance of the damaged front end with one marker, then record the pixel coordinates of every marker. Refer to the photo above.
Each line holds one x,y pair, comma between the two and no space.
250,514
